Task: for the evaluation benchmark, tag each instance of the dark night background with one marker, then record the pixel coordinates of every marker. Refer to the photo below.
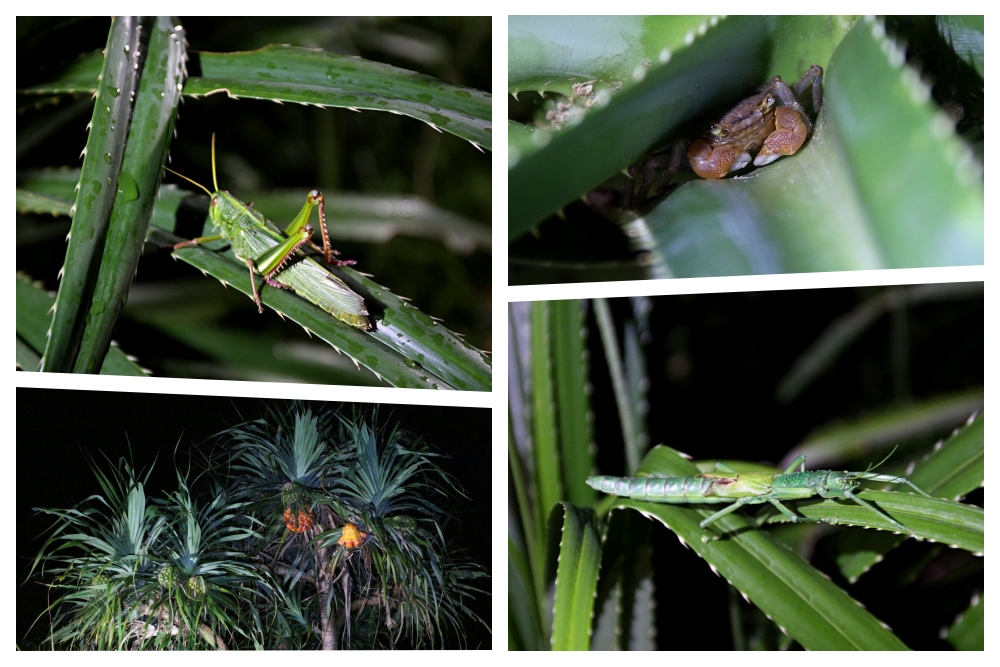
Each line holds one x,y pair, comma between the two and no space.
57,428
714,362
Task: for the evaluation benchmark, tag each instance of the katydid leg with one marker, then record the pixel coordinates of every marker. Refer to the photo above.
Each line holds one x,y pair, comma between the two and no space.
799,462
789,514
727,510
881,513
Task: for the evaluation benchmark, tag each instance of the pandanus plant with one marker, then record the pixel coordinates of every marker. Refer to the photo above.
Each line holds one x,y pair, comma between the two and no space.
319,531
127,572
356,520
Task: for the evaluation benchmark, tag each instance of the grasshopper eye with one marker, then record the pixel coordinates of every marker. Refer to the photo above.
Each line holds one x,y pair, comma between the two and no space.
215,201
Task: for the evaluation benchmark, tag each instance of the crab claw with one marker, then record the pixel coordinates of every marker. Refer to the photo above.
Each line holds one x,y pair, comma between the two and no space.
709,162
789,134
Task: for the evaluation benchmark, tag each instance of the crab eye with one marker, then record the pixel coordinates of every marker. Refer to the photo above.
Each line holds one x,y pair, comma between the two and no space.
717,130
767,103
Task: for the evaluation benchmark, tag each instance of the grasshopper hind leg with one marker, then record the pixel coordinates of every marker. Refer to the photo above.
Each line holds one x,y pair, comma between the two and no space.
328,252
267,279
301,221
253,285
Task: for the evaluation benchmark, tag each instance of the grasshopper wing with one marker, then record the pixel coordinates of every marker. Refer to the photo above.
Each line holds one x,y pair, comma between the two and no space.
317,285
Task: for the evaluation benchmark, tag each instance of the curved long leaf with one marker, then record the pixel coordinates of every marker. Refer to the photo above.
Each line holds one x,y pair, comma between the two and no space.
945,521
953,469
965,35
350,217
829,445
34,313
925,206
626,608
387,363
548,480
378,219
844,330
524,630
550,53
956,467
669,87
579,554
96,192
968,632
149,135
310,76
38,202
569,365
425,343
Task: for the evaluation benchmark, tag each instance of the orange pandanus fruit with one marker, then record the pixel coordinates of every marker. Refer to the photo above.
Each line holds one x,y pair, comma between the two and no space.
352,538
301,521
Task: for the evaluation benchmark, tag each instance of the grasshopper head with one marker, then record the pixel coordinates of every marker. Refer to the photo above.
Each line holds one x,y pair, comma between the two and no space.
214,211
232,215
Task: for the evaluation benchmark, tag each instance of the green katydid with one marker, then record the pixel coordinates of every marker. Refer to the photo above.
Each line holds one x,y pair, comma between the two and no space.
750,488
275,255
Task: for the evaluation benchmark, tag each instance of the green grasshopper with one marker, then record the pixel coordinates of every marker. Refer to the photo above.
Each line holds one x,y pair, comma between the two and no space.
275,254
750,488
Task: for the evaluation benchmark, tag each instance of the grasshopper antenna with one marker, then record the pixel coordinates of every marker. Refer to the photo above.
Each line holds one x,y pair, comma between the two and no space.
189,180
215,182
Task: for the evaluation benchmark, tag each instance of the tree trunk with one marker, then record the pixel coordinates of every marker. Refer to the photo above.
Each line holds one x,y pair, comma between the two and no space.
327,623
324,587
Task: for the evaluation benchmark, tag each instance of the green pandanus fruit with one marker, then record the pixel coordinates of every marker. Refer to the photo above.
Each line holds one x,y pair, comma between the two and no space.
294,494
403,524
167,576
195,587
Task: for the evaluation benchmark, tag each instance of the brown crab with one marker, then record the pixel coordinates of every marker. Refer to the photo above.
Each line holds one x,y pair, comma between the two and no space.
770,124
